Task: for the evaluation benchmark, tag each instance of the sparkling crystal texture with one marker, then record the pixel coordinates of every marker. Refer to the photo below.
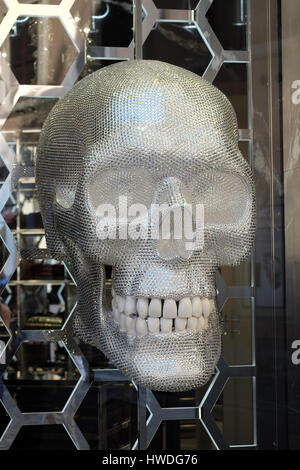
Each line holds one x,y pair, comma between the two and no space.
153,133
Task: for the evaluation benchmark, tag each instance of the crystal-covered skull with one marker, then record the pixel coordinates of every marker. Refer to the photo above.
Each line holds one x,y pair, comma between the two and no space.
147,132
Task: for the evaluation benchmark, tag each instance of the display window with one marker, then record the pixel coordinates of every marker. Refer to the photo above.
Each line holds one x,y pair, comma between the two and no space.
149,225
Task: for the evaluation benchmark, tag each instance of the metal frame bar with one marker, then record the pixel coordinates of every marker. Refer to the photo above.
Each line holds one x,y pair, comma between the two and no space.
267,165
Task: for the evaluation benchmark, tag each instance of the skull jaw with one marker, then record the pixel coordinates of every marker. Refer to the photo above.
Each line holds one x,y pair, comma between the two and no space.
174,362
164,362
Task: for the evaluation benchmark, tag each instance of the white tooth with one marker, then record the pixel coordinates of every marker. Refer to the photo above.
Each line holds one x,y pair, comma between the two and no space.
180,324
121,303
212,305
170,308
192,324
141,327
166,325
197,307
200,323
155,308
130,305
116,315
123,322
185,308
130,326
206,307
205,323
153,325
142,307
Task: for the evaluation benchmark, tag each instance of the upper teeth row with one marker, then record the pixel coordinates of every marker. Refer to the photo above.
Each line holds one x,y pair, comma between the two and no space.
138,316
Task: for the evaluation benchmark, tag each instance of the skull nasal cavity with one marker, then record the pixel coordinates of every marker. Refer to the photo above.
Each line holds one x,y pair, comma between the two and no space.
171,191
172,200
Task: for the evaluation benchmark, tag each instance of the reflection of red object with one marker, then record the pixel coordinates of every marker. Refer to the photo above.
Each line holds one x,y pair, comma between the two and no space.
9,219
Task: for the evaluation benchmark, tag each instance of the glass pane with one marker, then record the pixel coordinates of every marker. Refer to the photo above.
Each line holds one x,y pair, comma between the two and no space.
113,424
233,411
229,22
46,437
39,51
181,435
237,337
4,417
237,275
176,4
105,23
179,44
232,80
47,364
43,2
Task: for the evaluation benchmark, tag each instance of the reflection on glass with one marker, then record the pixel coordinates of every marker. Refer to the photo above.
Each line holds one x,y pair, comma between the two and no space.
237,275
108,416
3,10
179,44
176,4
181,399
229,22
233,411
181,435
43,2
232,80
237,337
92,65
46,362
105,23
46,437
4,417
3,171
39,51
3,257
5,331
23,125
245,150
41,306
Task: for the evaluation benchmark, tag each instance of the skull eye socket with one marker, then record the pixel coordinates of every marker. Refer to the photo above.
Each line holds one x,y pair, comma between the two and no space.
110,186
226,198
64,196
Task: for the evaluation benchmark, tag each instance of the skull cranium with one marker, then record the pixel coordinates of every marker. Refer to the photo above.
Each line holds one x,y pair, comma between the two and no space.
153,133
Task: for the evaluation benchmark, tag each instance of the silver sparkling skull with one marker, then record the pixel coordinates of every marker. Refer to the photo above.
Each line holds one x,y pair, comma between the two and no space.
147,133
